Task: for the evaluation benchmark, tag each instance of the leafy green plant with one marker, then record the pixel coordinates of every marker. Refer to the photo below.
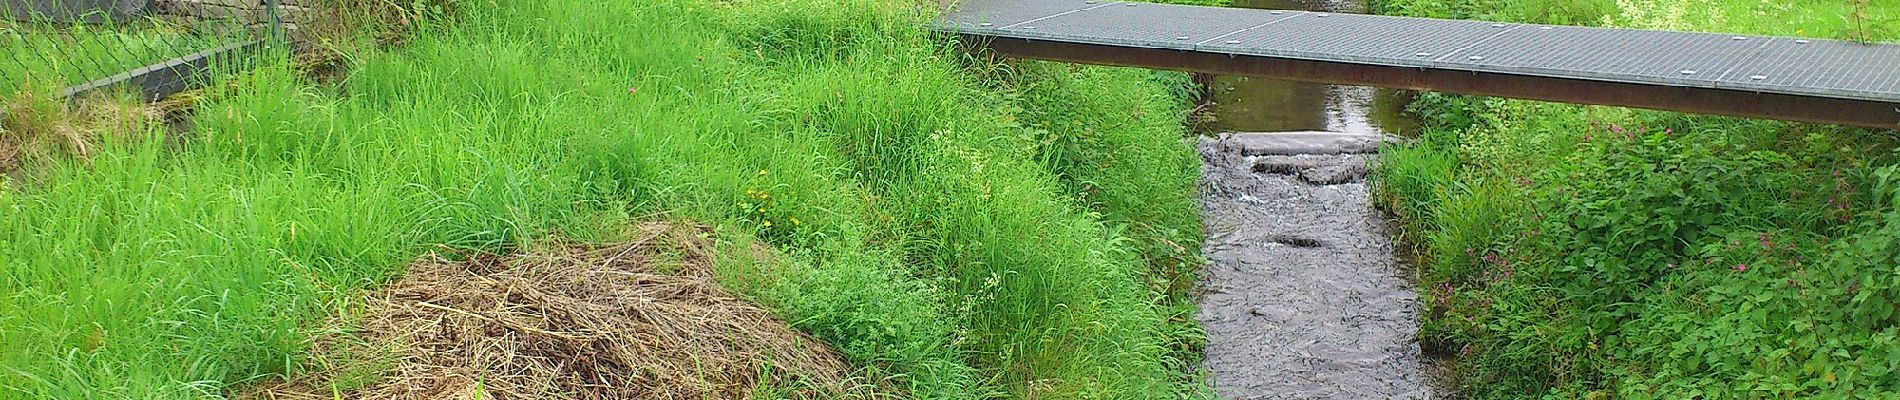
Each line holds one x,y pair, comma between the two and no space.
1652,255
1639,203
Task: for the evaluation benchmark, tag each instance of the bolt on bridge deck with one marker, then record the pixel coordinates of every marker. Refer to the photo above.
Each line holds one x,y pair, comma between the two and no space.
1798,79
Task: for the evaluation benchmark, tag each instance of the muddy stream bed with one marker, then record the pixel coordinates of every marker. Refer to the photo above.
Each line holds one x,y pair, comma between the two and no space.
1304,297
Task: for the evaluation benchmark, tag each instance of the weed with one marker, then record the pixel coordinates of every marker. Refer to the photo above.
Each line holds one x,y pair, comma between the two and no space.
1864,24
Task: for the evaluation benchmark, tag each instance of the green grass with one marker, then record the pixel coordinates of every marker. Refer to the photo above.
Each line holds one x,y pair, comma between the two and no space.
963,228
1600,252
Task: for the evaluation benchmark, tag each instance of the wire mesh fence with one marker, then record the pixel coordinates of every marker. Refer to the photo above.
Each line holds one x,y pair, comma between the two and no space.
72,43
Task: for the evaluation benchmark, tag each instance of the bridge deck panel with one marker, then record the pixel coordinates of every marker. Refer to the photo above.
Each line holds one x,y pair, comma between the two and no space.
1144,25
1342,38
1827,67
972,16
1819,68
1654,57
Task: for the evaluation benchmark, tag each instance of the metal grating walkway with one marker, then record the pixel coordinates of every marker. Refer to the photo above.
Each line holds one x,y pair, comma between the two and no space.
1757,76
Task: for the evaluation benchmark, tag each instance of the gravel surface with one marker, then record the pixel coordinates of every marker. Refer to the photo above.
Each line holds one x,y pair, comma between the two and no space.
1304,298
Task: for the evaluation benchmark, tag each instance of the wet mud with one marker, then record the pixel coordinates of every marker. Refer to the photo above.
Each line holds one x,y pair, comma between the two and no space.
1304,298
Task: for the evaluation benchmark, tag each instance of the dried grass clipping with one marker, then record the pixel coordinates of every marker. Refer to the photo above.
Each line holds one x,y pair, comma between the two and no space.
36,126
641,320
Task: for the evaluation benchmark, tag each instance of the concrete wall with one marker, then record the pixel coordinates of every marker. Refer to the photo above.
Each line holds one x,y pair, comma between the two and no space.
70,11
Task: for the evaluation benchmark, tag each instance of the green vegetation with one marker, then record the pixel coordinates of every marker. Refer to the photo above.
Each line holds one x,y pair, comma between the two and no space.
1596,252
958,227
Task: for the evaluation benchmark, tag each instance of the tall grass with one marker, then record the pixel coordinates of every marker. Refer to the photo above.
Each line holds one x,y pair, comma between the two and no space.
1600,252
927,230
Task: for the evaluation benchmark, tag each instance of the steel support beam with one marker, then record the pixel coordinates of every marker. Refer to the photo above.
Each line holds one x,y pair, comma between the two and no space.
1862,113
156,81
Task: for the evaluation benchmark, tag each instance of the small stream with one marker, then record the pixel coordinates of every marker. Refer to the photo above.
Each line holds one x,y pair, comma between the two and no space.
1304,297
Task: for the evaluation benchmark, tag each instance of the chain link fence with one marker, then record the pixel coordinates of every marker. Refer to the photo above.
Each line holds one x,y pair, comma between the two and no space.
154,45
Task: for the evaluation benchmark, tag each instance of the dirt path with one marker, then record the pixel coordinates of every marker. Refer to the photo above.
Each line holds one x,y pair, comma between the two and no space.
1303,297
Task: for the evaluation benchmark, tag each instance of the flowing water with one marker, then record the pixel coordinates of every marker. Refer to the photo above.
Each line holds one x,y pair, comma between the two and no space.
1245,104
1303,297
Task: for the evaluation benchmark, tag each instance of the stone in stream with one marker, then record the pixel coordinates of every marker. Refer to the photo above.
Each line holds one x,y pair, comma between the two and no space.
1334,174
1314,169
1302,143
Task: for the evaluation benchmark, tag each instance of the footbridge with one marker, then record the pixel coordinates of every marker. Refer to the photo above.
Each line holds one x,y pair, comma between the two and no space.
1797,79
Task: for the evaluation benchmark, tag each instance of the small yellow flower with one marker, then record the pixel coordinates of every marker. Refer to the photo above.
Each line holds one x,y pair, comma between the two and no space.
795,221
761,209
768,223
761,172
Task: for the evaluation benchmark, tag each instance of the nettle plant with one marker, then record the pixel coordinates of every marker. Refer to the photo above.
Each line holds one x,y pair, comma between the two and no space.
1698,262
1803,319
1642,203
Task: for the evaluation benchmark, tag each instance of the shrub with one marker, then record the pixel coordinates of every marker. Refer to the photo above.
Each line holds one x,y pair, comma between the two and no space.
1597,252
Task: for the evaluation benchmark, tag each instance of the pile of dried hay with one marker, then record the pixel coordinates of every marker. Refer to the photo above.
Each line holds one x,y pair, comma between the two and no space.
37,126
641,320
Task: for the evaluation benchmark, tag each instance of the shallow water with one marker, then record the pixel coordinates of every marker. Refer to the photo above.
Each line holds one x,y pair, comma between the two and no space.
1245,104
1303,298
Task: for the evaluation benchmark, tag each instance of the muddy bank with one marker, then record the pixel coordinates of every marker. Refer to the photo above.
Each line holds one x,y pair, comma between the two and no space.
1303,298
